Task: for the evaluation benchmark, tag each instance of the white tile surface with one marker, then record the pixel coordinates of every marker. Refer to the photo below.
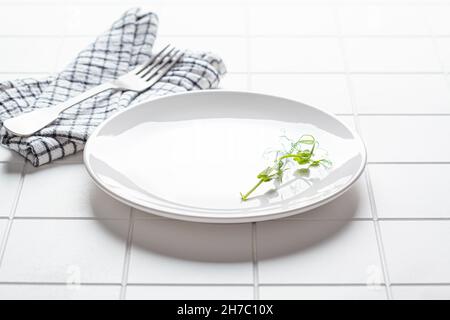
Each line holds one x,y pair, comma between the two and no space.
189,292
42,60
9,186
443,49
3,224
406,138
382,20
317,252
234,81
76,196
391,55
353,204
167,251
411,190
423,292
322,293
212,19
233,50
58,292
265,19
438,19
67,19
417,251
92,19
65,251
328,92
349,120
299,55
393,93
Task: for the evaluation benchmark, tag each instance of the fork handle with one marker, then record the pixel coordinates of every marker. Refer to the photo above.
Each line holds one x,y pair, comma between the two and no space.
83,96
28,123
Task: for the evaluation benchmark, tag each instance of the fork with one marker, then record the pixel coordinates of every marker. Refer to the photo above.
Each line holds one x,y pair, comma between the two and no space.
139,79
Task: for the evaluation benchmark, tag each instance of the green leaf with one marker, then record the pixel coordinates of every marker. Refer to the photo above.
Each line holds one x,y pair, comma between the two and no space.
303,157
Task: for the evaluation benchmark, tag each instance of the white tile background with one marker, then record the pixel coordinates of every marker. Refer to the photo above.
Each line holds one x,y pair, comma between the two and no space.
381,64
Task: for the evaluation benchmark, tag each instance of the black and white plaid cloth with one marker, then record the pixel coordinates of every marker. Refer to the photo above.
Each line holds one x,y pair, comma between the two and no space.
126,45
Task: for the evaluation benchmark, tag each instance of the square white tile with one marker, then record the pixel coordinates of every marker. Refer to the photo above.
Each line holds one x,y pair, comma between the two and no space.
9,186
321,252
65,251
169,251
422,292
382,20
406,138
58,292
295,55
201,19
401,93
33,24
291,19
438,19
328,92
322,292
354,203
60,20
66,190
7,155
391,55
91,19
233,50
42,60
189,292
411,190
417,251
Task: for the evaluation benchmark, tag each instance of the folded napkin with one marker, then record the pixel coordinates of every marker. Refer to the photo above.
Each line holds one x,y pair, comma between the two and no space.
126,45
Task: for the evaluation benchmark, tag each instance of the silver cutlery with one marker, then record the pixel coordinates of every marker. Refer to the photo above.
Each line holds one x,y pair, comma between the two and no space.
139,79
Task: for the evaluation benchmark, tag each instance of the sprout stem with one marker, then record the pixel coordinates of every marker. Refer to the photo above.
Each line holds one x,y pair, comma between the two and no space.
245,196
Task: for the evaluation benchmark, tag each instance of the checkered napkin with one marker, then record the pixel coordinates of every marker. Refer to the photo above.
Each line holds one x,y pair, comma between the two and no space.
126,45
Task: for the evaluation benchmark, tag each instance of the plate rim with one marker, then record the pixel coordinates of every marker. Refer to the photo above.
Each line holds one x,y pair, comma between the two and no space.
233,219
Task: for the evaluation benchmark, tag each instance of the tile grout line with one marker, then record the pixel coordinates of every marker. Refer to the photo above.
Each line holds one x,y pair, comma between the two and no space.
274,284
126,261
248,44
249,88
5,238
384,3
255,263
218,284
378,239
408,162
378,235
255,72
338,114
242,35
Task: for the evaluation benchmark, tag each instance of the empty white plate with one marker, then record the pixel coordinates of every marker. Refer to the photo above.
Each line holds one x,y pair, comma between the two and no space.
188,156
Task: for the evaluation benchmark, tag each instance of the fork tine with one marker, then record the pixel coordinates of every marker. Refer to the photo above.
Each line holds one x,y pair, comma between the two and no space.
159,67
161,70
158,62
140,68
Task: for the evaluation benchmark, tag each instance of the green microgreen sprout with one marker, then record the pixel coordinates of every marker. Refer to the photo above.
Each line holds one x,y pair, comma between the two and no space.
301,152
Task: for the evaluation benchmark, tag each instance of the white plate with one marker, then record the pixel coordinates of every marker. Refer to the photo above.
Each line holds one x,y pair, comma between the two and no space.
187,156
